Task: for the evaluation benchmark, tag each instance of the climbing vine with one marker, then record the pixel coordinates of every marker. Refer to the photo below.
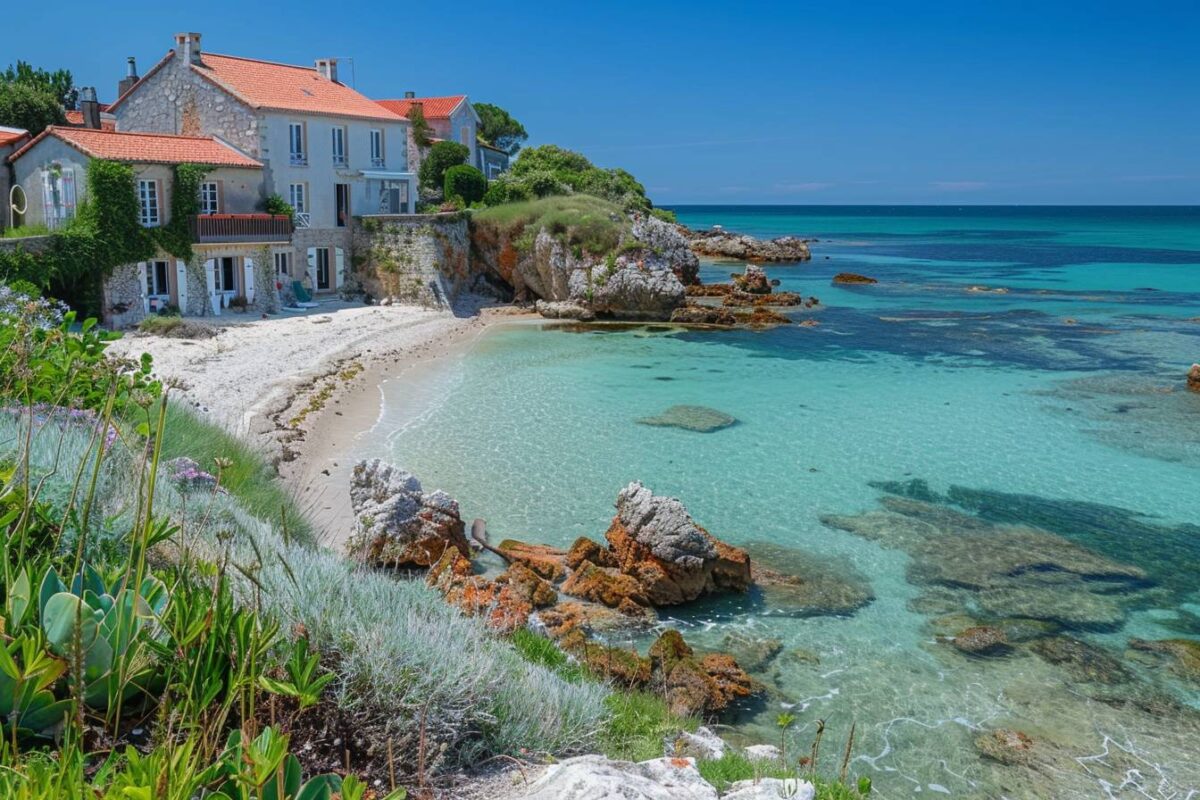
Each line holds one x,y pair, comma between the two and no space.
422,133
104,234
175,237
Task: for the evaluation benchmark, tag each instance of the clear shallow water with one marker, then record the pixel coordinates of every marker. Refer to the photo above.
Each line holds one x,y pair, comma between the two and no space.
1066,387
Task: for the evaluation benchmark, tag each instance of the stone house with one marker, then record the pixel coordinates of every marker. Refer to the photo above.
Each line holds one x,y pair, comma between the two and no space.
11,139
330,152
450,119
233,246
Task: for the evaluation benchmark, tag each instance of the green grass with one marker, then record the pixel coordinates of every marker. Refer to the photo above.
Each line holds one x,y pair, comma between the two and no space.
249,477
579,221
639,723
160,325
734,766
25,231
538,649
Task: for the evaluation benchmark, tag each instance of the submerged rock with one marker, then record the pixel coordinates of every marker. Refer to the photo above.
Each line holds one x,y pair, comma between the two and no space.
852,278
1082,661
700,419
697,314
1006,746
396,523
656,541
981,640
753,653
801,585
593,777
1184,654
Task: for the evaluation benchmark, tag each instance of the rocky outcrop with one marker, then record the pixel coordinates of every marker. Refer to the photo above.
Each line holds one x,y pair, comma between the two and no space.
693,685
674,560
1193,378
852,278
753,281
695,314
664,239
718,243
396,523
642,286
500,602
564,309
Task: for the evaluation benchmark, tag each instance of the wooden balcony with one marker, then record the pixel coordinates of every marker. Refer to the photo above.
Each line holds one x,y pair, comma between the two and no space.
240,228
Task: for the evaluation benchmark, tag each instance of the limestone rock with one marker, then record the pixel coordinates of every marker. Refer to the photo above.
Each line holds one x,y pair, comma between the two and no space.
584,549
762,752
642,287
852,278
665,240
700,419
770,789
396,523
655,540
703,744
717,243
594,777
752,281
1193,378
564,309
696,686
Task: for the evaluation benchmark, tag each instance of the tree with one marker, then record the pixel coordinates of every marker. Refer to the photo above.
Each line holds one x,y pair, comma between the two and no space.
22,106
441,157
498,128
466,182
58,84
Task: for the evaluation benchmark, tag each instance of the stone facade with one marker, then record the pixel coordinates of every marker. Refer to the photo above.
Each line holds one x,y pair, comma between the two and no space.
123,307
422,259
173,98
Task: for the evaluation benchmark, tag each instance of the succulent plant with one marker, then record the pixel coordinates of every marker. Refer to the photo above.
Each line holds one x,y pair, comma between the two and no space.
28,706
108,627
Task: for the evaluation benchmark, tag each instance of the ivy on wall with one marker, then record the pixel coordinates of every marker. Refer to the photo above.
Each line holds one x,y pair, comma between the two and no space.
175,237
80,256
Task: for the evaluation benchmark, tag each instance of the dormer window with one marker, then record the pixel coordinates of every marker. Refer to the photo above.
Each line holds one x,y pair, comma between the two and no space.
339,146
297,152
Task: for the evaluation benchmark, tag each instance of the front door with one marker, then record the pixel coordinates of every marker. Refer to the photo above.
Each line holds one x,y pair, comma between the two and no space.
322,268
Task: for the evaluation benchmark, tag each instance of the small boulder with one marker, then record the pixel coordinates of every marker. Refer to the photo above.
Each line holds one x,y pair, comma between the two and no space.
703,744
770,789
1193,378
656,541
592,777
762,752
981,640
396,523
752,281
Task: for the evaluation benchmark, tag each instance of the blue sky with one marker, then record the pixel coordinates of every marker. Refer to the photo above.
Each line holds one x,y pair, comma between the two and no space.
839,102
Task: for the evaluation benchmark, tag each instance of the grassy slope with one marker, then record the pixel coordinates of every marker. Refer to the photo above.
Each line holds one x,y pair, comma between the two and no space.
582,222
249,477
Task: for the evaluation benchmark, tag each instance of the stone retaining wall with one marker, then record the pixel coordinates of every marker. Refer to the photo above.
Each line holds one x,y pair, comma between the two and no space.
422,259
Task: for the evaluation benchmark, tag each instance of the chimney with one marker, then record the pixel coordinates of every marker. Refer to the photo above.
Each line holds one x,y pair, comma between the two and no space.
89,107
187,45
328,68
409,95
131,76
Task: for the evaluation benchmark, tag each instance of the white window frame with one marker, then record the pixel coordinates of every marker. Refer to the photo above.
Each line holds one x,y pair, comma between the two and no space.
376,137
149,204
297,146
153,287
298,197
210,197
283,263
338,145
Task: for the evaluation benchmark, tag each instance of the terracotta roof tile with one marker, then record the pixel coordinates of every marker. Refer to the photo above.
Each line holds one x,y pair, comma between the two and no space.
147,148
283,87
433,107
76,118
12,135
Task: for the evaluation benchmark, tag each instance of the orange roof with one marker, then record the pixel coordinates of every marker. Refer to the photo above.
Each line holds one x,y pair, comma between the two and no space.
283,87
433,107
12,135
76,118
146,148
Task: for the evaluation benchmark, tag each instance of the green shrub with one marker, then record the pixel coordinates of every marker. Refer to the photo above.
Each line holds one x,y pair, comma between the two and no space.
466,182
23,106
275,204
550,169
581,222
441,157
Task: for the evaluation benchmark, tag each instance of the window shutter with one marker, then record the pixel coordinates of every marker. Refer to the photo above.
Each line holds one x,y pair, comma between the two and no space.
68,193
210,280
340,260
312,266
144,269
48,212
248,267
181,285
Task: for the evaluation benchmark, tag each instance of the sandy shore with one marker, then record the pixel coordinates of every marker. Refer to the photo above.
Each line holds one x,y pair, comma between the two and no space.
306,388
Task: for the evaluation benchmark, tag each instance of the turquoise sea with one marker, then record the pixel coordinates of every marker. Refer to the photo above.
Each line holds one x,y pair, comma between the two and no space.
1014,368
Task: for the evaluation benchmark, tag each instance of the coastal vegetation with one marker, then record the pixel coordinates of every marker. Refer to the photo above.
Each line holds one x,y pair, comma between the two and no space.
499,128
32,98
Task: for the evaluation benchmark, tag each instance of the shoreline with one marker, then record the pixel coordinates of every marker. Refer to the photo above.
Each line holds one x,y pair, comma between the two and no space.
306,388
318,473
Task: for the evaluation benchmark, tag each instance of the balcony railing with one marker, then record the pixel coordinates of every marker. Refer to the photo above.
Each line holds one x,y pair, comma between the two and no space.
233,228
